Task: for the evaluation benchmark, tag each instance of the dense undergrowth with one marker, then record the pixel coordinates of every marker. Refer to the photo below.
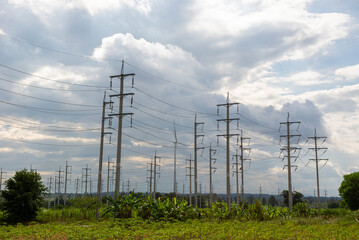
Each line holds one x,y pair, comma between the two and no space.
165,209
145,218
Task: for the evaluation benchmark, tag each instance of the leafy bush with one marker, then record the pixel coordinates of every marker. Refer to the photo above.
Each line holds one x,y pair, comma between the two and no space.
301,209
349,190
148,208
23,196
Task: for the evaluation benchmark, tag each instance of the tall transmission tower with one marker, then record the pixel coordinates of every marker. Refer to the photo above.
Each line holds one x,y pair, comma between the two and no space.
227,120
67,172
120,114
212,170
289,149
316,149
190,174
196,148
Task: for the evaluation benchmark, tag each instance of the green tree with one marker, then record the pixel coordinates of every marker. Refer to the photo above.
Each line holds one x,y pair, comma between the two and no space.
272,201
349,190
296,196
23,196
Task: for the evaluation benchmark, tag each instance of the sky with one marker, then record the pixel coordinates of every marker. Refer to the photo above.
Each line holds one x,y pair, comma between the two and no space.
276,58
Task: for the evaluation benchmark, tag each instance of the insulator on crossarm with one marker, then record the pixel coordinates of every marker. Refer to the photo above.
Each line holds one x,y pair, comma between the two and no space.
133,81
217,141
131,120
217,111
131,101
111,84
217,126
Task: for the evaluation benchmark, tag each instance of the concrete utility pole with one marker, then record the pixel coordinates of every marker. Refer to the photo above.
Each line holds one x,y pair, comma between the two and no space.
200,195
237,172
196,124
58,187
289,149
55,186
175,190
66,180
190,178
86,175
227,136
77,186
109,171
120,114
103,133
174,161
155,165
50,187
1,178
316,149
326,199
212,170
243,149
151,174
128,186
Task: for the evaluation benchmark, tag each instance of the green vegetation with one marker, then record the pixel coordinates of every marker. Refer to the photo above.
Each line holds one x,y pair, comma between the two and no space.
349,190
142,217
23,197
297,228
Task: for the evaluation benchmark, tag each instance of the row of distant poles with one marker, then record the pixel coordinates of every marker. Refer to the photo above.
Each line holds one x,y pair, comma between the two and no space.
288,148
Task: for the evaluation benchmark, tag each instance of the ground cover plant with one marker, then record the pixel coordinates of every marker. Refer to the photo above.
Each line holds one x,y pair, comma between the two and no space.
296,228
137,217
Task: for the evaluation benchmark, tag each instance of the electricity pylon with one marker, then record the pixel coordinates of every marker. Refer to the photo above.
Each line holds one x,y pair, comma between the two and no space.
316,149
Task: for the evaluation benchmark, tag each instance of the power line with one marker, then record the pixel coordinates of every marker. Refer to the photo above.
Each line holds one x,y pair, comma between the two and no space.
48,144
172,105
41,124
44,110
53,89
48,100
48,79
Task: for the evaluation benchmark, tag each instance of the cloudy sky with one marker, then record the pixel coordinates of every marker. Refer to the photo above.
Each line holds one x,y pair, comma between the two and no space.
273,57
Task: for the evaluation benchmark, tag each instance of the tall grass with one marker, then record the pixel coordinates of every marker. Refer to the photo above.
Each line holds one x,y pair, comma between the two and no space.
133,207
66,214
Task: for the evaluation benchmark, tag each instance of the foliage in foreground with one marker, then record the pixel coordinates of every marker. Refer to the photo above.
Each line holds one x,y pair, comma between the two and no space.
23,196
349,190
148,208
297,228
165,209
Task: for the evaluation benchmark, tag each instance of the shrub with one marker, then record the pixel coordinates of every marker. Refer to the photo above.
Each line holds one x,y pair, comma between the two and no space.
349,190
301,209
23,196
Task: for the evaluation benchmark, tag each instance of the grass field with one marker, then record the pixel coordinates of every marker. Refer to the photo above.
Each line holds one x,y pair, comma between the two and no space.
297,228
